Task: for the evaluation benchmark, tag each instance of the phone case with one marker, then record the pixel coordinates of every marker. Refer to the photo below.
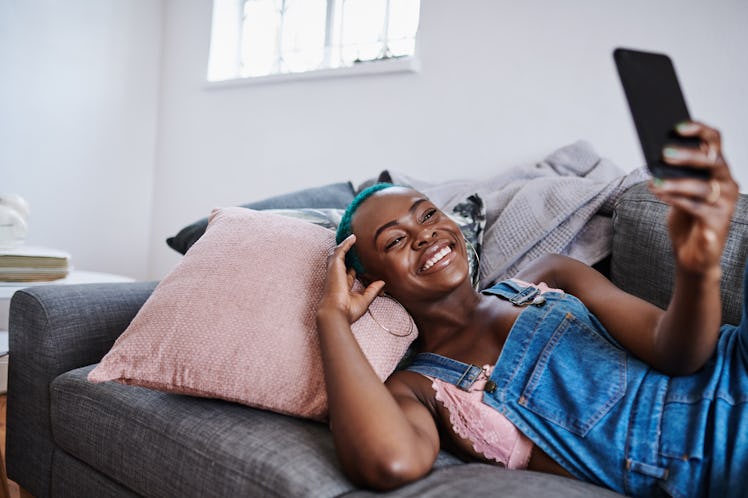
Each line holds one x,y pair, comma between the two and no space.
657,105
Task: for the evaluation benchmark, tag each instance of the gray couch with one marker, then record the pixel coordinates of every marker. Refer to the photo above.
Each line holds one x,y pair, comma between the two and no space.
68,437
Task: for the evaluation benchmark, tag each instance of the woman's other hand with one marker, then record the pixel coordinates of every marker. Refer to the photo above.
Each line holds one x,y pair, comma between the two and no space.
384,435
700,213
340,294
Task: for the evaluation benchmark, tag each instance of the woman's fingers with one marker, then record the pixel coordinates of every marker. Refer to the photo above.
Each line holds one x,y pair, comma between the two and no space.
340,250
698,230
706,214
347,242
698,195
340,288
336,257
720,188
711,202
705,191
707,156
373,290
351,273
360,301
337,274
700,209
701,158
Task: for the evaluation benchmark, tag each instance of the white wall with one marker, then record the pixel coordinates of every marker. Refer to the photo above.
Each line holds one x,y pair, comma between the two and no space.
106,125
78,103
502,83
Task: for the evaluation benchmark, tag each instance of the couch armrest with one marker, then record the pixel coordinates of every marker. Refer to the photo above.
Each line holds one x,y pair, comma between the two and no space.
53,329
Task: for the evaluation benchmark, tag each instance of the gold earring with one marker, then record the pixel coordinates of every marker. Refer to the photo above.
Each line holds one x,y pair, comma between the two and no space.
475,278
412,323
475,253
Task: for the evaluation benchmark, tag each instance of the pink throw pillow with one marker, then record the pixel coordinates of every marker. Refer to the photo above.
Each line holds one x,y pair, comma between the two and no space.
236,319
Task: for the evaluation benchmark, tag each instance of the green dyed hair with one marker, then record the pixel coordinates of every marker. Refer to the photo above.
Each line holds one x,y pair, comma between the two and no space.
345,230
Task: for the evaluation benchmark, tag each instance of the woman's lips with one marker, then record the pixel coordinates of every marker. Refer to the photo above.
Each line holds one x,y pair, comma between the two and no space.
439,253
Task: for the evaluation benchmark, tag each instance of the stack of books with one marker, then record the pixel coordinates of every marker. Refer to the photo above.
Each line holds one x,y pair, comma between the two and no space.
33,264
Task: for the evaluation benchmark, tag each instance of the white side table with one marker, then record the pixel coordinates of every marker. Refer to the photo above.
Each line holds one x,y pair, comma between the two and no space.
7,289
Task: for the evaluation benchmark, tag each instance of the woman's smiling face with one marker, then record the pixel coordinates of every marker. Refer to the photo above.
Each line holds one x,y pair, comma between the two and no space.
403,239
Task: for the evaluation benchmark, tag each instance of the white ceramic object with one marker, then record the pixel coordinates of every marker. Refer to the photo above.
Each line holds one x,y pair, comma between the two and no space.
14,214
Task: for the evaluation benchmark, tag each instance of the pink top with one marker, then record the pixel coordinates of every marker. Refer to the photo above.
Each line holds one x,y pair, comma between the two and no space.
491,433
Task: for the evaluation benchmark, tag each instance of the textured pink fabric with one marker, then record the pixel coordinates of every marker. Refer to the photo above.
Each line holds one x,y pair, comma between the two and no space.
236,319
491,433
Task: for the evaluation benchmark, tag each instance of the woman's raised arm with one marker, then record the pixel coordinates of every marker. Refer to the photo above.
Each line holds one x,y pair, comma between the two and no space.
680,340
384,436
698,222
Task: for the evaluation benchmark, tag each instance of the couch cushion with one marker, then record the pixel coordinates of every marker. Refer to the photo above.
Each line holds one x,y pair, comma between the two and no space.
160,444
71,477
479,479
642,260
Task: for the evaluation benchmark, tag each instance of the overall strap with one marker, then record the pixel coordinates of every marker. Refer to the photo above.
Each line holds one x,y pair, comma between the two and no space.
516,293
462,375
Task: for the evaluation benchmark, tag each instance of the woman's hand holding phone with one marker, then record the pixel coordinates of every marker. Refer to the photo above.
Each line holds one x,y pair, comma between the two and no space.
657,104
690,172
701,209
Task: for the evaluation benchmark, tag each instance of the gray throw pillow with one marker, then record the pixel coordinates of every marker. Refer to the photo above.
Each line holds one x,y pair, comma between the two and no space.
335,195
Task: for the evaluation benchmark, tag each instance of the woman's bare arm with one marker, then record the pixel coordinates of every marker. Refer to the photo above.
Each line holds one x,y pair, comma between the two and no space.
632,321
384,436
681,339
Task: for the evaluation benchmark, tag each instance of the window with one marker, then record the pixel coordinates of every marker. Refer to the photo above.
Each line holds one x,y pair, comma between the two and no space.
264,37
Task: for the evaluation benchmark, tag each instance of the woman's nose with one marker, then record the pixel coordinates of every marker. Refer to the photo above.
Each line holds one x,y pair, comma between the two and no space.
425,237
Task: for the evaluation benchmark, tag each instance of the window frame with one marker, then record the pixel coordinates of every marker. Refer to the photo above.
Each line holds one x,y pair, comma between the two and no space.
383,65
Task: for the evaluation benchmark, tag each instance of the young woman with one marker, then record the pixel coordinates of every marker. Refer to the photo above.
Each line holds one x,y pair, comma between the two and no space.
572,376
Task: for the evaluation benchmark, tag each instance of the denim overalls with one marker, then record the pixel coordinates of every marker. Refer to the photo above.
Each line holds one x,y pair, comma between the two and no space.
607,417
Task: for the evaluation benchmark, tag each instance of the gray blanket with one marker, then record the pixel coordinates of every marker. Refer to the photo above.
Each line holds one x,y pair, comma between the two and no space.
560,205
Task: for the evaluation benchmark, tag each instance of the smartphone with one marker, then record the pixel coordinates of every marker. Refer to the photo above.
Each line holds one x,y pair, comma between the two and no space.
657,105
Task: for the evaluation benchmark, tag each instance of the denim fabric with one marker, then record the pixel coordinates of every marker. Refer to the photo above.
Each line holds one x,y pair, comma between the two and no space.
607,417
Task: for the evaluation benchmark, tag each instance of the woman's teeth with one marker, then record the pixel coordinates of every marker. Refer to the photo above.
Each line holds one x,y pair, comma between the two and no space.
436,258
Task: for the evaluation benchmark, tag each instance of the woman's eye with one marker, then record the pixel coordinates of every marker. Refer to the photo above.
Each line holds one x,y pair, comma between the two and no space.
429,214
393,242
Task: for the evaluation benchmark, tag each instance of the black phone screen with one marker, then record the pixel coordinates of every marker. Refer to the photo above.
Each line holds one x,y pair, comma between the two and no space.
657,105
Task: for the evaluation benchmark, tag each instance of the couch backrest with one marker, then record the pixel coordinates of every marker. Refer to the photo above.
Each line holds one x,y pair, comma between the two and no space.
642,259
